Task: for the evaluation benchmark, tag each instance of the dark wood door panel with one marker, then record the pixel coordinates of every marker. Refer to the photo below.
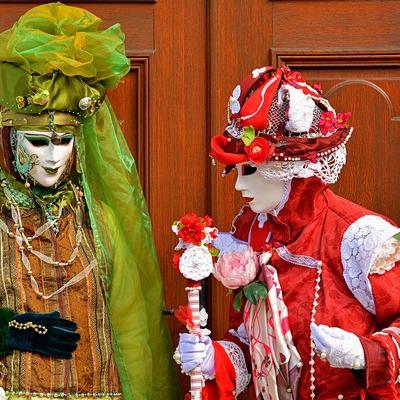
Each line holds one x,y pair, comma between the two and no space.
353,24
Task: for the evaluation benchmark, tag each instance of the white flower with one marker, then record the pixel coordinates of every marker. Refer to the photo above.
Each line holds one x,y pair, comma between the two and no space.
233,100
301,110
2,394
196,263
258,71
175,229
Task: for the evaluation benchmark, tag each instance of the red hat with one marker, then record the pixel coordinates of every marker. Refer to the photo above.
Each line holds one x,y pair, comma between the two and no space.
274,115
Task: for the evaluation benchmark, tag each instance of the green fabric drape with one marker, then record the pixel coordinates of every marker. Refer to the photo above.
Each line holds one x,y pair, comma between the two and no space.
123,235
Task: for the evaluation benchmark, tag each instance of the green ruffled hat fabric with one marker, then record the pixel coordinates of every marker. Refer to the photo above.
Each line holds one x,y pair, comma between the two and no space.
60,49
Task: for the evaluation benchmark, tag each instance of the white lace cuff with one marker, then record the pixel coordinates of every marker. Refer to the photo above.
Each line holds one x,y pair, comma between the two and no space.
360,244
236,356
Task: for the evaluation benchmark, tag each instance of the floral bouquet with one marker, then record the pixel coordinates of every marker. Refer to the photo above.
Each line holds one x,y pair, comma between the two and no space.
194,252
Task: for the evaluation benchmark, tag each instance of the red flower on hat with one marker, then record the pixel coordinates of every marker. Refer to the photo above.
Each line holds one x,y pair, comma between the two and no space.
259,150
341,120
327,122
317,87
294,76
313,157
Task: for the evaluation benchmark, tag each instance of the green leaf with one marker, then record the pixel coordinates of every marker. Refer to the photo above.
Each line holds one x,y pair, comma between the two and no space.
397,236
237,301
248,135
254,292
213,251
229,292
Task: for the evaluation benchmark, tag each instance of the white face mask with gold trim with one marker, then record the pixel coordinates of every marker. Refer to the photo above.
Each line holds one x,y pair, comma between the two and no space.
42,157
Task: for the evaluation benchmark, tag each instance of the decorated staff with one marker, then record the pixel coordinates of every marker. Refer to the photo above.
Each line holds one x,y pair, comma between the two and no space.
193,256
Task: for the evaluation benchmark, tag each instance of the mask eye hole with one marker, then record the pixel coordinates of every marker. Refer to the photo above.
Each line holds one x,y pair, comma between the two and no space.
248,169
38,141
65,140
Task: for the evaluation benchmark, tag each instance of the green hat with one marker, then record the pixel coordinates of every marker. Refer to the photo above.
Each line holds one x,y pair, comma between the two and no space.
55,58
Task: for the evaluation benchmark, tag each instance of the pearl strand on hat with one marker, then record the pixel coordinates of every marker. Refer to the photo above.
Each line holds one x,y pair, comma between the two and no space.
312,344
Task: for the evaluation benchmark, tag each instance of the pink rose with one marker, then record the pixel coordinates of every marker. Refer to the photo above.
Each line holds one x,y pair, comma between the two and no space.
236,269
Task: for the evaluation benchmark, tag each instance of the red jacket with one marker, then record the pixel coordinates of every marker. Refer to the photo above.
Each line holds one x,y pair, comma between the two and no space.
319,225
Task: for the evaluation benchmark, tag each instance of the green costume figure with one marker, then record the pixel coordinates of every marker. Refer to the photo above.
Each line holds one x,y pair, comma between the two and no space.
80,288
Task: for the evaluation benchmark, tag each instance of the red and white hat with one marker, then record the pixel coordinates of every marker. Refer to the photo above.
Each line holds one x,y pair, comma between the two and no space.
285,127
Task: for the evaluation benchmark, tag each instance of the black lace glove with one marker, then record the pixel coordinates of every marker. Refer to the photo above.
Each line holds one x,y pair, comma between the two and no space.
44,333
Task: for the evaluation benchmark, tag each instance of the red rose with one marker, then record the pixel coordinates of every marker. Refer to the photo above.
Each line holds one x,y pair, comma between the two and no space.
341,120
190,219
207,220
260,150
313,157
294,76
192,234
317,87
326,123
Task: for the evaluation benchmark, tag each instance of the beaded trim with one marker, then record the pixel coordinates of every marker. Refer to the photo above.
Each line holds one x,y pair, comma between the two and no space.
61,395
312,344
40,329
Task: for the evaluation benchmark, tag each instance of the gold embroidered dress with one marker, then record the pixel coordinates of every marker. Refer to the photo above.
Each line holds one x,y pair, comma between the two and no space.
92,371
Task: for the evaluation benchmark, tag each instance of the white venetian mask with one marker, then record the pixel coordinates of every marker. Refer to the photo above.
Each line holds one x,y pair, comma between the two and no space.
43,157
262,194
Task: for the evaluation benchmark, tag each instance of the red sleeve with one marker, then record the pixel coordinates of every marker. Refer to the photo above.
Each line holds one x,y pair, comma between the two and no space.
224,385
382,349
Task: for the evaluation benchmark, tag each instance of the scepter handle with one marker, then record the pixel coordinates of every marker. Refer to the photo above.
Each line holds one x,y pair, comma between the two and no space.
196,376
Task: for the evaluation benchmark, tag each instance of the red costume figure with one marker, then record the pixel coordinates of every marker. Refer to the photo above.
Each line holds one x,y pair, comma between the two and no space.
327,326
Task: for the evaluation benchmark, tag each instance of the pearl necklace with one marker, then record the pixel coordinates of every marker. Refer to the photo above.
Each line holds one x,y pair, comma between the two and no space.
25,242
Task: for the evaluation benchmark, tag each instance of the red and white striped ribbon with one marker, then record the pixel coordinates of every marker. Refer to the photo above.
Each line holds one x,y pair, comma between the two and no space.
196,377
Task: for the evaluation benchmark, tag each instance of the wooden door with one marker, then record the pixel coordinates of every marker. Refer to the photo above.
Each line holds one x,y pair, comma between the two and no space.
188,55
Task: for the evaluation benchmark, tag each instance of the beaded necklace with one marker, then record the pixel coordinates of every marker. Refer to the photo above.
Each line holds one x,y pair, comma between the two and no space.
24,242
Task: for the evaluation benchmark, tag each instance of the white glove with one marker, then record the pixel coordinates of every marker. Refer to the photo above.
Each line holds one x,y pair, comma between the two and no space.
341,348
196,351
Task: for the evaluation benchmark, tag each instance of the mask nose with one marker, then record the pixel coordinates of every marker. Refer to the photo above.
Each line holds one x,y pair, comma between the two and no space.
53,154
239,185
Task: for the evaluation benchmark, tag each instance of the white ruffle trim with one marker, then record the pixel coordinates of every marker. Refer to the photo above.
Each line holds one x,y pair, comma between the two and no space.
326,167
386,257
236,356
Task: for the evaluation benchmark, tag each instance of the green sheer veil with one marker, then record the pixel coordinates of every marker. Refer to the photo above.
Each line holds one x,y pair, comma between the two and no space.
51,59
